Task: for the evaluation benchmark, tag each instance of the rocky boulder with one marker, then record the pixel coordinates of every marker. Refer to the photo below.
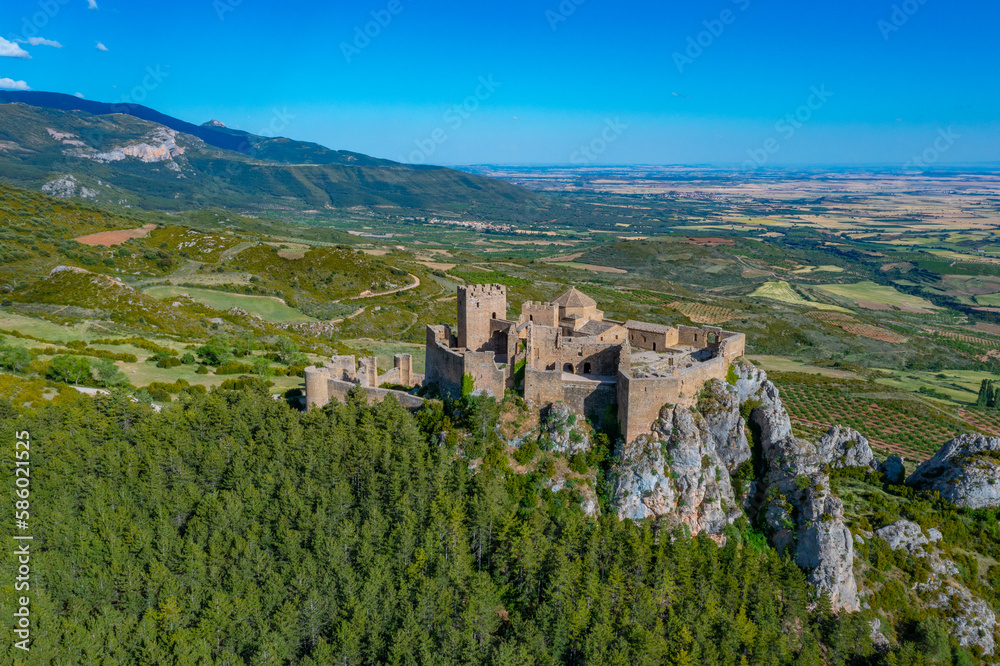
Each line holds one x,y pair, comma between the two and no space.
893,470
965,471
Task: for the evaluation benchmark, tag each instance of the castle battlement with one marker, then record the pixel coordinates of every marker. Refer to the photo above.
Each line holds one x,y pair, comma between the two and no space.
572,355
481,290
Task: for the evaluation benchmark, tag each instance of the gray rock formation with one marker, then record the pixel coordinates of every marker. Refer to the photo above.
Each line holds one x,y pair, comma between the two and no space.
972,620
682,471
676,473
893,469
567,433
905,535
965,471
801,513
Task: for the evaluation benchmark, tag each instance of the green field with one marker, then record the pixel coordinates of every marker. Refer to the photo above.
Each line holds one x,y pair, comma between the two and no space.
782,291
959,385
266,307
869,292
781,364
992,300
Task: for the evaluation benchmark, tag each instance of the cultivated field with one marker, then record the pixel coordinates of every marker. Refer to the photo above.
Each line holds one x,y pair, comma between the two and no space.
782,291
879,297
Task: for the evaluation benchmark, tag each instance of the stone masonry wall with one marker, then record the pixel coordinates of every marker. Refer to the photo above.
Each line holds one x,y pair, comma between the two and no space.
477,305
339,389
542,386
590,400
443,366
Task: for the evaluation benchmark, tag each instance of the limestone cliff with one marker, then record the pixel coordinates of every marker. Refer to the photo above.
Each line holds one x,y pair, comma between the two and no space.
694,467
966,471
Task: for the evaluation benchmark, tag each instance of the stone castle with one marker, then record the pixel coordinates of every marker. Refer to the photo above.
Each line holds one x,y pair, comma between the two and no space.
560,351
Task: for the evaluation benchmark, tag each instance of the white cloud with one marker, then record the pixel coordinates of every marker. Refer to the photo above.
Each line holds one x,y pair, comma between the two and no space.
91,4
39,41
101,47
11,50
11,84
80,95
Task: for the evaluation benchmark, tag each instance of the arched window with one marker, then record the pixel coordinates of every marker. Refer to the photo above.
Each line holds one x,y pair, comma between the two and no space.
568,367
531,317
586,368
494,315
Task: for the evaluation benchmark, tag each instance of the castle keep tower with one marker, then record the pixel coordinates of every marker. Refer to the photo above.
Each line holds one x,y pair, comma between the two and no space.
477,305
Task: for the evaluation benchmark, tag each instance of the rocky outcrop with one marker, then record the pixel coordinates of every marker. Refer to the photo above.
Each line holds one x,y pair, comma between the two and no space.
66,187
893,470
676,473
565,432
801,513
973,621
965,471
683,472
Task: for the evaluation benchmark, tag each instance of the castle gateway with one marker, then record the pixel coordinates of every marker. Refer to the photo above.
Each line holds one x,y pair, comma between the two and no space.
568,352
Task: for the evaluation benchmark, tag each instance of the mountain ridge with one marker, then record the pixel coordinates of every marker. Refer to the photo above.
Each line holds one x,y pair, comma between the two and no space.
129,154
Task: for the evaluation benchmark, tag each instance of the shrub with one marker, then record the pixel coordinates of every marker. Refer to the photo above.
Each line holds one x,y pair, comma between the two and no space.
168,362
233,368
527,452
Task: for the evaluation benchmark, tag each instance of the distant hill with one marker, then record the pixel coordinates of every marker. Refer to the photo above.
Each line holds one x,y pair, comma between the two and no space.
131,155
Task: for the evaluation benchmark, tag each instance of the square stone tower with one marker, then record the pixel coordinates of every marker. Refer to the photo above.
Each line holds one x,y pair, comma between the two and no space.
477,305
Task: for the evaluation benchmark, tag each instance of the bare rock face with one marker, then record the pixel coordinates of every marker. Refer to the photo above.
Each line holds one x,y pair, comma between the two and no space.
893,469
676,473
682,471
973,621
801,513
965,471
565,430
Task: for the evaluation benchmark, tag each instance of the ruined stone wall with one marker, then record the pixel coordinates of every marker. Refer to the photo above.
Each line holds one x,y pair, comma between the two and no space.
486,376
501,332
588,356
732,346
339,389
542,387
389,377
342,367
542,314
543,349
443,366
477,305
368,371
652,340
590,400
403,363
640,400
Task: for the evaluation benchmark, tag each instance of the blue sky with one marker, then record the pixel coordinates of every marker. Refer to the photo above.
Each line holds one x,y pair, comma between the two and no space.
557,81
